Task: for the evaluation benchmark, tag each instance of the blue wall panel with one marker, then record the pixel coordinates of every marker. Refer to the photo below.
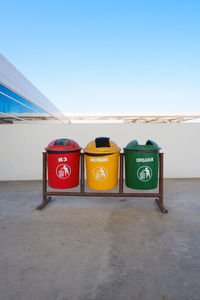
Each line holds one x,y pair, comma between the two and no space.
7,105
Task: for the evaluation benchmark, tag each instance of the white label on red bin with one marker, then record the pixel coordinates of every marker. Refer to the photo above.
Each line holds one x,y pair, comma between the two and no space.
63,171
62,159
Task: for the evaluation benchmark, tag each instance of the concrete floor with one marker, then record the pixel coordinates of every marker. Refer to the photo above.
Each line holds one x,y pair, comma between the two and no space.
98,248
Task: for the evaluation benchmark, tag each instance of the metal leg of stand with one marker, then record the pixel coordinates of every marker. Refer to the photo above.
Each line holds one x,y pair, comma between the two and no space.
82,188
121,177
159,201
46,199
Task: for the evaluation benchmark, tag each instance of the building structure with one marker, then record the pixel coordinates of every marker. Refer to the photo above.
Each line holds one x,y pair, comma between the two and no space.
20,100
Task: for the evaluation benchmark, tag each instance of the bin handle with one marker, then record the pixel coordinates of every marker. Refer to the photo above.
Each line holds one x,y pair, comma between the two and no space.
98,154
143,151
61,152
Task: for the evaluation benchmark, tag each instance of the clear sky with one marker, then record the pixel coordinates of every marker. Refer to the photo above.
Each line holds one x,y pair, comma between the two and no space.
107,56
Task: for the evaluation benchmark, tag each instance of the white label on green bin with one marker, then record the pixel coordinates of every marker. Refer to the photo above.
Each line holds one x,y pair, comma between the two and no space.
146,159
63,171
100,173
144,173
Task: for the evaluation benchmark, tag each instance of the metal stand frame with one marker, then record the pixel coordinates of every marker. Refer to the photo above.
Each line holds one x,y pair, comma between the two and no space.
47,195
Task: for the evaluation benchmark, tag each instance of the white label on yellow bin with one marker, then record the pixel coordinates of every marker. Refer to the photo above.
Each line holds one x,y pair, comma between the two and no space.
99,159
100,173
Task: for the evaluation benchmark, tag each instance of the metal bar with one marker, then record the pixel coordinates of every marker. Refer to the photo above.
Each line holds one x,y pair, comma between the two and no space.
161,176
82,188
121,177
95,194
44,173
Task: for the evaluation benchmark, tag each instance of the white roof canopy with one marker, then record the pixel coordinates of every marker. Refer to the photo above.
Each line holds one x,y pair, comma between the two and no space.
132,117
102,118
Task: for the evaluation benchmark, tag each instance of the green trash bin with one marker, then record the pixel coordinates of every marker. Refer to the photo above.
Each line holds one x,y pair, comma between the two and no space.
141,165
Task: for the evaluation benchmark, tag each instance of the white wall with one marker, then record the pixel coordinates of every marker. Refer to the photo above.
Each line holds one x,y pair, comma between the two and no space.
21,145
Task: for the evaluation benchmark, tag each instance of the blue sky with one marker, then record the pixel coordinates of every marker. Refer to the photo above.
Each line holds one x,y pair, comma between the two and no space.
107,56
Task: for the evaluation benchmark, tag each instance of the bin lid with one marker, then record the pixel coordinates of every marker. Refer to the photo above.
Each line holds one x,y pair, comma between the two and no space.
101,145
63,145
150,145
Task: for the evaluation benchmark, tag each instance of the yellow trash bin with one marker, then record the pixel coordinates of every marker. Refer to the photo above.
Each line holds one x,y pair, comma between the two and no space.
102,159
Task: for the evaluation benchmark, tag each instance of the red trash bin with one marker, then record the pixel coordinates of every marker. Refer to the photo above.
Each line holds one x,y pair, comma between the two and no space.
63,156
